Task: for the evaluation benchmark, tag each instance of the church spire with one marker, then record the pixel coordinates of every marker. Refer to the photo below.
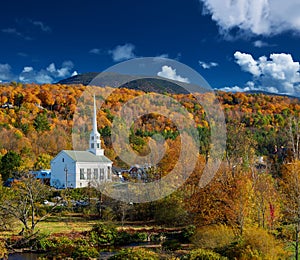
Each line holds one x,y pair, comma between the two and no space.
95,130
95,142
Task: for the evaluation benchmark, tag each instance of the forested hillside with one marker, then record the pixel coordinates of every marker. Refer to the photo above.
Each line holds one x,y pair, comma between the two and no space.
40,122
250,208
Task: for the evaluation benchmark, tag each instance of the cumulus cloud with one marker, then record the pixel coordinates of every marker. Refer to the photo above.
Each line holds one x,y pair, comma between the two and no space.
247,63
75,73
170,73
5,72
27,69
123,52
263,17
95,51
279,73
261,44
49,75
208,65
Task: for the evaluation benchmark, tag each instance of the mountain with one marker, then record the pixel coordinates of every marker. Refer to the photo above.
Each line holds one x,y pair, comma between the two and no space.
266,93
83,79
153,84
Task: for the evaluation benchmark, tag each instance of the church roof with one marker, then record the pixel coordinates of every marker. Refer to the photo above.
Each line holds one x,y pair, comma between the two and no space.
86,156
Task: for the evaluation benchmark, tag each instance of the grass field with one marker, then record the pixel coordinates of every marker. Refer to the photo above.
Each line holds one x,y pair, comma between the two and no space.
55,224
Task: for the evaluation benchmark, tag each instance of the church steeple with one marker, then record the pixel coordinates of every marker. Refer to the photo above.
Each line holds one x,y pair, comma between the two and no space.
95,142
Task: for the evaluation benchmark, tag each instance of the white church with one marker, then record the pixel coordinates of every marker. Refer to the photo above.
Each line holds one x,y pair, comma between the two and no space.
77,169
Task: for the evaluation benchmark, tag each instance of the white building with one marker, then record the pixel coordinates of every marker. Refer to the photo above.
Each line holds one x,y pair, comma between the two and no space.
76,169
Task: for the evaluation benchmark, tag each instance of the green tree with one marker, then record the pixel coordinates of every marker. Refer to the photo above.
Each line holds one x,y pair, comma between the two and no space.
41,122
9,165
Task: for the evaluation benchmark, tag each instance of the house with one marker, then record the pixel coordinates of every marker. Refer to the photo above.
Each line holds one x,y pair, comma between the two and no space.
7,105
77,169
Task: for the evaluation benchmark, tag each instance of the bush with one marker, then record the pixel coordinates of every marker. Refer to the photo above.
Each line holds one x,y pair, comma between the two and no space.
202,254
187,233
171,245
103,234
139,237
125,238
256,243
85,252
135,254
3,250
211,237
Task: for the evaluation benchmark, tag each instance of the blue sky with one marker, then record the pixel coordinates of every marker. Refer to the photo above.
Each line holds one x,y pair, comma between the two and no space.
234,45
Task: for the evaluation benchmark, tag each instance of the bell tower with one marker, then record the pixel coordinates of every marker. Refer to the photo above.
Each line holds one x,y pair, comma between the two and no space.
95,142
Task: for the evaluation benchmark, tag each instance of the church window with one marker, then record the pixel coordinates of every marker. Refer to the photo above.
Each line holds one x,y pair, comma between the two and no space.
81,174
92,145
63,159
108,172
89,174
98,145
96,175
101,174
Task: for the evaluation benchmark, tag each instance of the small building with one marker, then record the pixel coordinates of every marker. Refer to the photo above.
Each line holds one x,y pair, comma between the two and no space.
43,175
77,169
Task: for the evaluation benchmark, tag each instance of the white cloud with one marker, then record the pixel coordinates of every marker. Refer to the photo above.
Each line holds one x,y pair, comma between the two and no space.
28,75
247,63
49,75
279,73
22,54
27,69
170,73
43,27
264,17
260,44
75,73
5,72
51,68
95,51
250,86
235,89
208,65
15,32
123,52
64,71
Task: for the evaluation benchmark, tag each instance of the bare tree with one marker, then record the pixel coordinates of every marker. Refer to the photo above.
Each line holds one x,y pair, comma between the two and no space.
24,200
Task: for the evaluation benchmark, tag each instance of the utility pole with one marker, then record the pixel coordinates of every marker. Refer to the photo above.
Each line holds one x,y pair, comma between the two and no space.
66,171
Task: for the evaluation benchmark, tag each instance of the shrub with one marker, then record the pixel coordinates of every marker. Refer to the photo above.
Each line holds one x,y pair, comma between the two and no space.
171,245
85,252
256,243
123,238
3,250
135,254
102,234
203,254
187,233
139,237
212,237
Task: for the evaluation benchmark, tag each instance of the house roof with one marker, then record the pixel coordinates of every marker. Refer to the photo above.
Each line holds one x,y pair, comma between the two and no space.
86,156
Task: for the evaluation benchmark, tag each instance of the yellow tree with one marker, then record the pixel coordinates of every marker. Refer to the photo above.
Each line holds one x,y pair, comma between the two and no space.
290,187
